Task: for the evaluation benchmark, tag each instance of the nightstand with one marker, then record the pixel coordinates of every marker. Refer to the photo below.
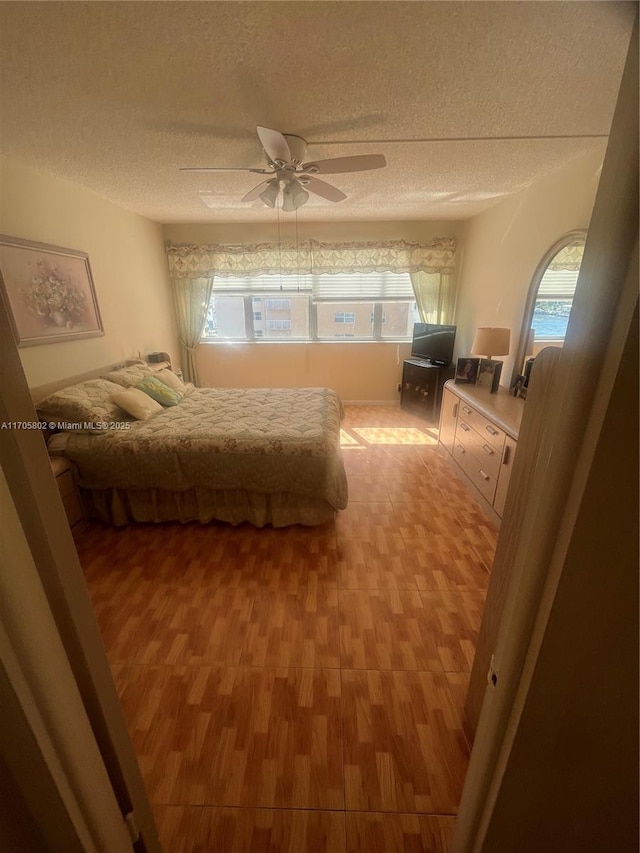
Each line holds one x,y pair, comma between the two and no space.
64,480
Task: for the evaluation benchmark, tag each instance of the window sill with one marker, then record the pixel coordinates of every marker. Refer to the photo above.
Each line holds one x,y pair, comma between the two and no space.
235,342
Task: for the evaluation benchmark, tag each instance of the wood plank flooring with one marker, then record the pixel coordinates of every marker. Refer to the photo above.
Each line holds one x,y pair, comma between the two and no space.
301,689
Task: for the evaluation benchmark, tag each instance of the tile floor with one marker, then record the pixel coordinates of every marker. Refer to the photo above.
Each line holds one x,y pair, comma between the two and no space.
301,689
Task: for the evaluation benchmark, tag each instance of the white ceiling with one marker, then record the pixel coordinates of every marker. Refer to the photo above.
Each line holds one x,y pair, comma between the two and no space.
116,96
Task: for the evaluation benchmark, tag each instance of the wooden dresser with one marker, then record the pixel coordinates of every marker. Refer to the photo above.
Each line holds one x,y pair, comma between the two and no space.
480,432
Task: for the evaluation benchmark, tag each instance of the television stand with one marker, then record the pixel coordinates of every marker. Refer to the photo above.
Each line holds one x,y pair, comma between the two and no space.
422,383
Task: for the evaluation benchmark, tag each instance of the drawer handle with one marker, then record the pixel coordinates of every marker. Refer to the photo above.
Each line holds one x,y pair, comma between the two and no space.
466,410
507,455
464,426
461,449
488,450
491,430
454,414
484,475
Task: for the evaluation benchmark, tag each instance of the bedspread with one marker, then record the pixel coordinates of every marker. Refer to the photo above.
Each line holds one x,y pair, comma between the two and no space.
272,440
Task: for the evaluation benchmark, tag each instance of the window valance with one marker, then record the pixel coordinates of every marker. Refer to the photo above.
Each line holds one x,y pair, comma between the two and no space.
311,257
569,257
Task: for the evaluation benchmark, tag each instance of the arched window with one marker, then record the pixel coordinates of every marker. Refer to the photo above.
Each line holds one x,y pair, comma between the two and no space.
550,297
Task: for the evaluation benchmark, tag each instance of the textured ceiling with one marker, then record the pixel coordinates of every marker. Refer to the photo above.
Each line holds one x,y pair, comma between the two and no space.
116,96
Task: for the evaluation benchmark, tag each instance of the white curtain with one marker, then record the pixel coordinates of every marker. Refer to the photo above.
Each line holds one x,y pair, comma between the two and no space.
434,296
191,297
569,257
311,257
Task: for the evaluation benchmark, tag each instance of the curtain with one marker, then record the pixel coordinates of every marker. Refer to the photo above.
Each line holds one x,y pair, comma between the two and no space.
192,268
311,257
191,297
569,257
434,296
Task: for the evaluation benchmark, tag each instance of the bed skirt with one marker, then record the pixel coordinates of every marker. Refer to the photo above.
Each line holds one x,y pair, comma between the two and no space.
121,506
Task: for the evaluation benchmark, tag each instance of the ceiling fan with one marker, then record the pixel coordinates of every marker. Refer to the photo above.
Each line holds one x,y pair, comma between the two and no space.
288,172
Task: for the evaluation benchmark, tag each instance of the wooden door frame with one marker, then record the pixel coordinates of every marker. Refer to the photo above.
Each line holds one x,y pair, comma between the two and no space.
579,399
25,463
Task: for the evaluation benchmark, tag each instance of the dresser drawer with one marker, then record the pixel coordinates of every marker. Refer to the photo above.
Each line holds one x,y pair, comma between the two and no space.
477,472
488,453
483,426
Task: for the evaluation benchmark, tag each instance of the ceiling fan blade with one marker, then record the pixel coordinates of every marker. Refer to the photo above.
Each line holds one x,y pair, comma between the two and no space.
322,188
256,191
224,169
357,163
274,144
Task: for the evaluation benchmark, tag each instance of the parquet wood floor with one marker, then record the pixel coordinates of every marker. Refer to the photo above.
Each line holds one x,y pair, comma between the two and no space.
301,689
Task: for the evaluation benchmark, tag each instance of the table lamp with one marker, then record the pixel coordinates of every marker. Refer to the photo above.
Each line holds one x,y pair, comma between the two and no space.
490,341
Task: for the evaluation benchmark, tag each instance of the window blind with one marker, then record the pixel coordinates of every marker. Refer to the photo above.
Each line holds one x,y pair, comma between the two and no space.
328,287
373,287
290,283
558,284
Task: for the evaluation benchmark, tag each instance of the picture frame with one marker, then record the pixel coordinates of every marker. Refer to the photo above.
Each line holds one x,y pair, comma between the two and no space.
519,387
49,292
489,374
466,371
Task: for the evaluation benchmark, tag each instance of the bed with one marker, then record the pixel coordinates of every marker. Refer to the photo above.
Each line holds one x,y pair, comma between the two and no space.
266,456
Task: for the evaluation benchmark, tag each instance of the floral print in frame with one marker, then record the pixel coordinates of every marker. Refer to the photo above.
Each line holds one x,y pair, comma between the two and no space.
49,291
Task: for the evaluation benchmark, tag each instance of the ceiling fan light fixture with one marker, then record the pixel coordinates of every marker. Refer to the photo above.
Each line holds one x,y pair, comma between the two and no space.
270,195
293,197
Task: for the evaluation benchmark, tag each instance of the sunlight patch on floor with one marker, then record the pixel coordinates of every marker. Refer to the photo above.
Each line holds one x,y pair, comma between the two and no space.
347,440
396,435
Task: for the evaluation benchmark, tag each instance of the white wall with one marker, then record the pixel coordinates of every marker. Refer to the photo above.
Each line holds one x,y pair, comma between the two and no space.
258,232
505,244
360,372
128,264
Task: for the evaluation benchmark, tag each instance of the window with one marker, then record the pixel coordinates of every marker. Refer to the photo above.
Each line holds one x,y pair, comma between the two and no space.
550,297
329,326
553,304
277,304
358,306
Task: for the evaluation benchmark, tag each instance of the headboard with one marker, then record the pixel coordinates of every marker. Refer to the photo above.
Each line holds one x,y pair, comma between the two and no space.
41,391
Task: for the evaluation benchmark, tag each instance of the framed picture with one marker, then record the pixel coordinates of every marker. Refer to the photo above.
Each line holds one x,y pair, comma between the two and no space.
519,387
49,292
467,371
489,374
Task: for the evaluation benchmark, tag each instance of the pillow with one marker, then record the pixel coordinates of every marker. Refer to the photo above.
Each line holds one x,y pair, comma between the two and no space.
82,405
169,378
127,377
158,391
138,404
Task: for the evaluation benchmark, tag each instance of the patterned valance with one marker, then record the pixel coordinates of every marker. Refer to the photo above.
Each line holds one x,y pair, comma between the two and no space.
569,257
312,256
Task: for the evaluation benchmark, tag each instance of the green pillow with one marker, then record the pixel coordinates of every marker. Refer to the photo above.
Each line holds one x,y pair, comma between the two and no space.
158,391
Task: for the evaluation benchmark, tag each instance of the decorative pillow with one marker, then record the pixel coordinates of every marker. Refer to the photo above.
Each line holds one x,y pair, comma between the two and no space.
127,377
169,378
138,404
82,405
158,391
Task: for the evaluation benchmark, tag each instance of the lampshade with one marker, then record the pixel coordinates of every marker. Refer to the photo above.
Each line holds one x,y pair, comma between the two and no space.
491,341
293,196
270,195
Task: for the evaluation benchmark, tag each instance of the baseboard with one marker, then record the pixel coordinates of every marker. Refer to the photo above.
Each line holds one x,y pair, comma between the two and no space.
371,403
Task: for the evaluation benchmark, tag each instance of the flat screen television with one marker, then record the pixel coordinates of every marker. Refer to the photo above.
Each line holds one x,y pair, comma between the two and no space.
433,343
